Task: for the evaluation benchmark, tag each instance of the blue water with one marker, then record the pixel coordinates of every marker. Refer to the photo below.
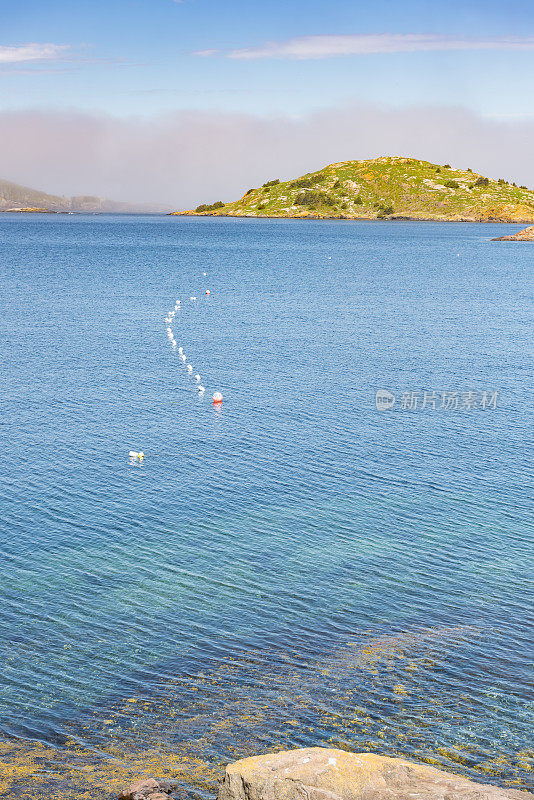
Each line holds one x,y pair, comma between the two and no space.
338,558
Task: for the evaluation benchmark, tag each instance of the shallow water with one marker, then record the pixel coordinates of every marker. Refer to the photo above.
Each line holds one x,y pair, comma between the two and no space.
296,568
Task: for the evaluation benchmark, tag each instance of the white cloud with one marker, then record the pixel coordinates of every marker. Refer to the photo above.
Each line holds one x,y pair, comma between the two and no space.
20,54
328,46
189,157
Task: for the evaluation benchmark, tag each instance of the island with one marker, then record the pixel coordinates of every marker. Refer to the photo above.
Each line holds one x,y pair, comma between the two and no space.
387,188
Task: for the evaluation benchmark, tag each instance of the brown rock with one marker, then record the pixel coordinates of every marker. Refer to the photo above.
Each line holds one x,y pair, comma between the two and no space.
318,773
158,796
167,784
140,790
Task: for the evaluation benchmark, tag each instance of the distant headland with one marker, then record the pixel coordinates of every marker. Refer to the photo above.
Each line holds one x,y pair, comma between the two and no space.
21,199
383,188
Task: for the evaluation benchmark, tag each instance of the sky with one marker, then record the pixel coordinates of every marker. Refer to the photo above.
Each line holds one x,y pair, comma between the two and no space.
186,101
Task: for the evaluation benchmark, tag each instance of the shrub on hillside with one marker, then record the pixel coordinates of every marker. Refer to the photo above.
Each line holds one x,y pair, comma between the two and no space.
385,211
452,184
270,183
306,183
212,207
481,182
315,199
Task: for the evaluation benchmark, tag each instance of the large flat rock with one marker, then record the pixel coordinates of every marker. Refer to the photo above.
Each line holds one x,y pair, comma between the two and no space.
317,773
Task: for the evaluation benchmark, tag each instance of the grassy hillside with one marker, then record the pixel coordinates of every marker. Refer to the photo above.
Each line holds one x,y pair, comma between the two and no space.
385,188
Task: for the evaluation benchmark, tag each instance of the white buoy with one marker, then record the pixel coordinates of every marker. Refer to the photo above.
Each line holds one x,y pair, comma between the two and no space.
180,350
189,368
204,273
173,343
182,357
217,398
201,389
192,298
134,454
197,378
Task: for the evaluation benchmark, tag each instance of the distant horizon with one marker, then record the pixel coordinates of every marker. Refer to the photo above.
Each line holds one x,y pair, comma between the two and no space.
162,208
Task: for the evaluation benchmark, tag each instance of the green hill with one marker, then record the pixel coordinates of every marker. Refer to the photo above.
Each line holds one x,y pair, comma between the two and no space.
385,188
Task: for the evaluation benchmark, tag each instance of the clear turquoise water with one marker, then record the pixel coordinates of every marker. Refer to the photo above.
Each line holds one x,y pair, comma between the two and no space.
294,531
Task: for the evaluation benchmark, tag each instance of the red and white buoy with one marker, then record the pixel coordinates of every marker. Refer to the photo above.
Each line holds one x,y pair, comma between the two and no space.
207,291
217,399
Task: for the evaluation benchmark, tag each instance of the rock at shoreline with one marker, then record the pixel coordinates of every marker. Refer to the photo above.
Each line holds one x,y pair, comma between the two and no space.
318,773
526,235
149,789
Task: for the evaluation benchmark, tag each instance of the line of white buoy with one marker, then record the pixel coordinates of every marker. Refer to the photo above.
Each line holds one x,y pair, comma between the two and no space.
169,320
138,456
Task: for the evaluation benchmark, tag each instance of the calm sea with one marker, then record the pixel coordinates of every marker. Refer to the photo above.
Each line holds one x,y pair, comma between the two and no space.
297,567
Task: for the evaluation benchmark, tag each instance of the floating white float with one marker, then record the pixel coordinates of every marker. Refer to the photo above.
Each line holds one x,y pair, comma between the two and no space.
134,454
217,399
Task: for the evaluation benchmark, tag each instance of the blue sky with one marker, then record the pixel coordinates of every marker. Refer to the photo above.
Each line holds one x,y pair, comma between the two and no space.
187,102
128,57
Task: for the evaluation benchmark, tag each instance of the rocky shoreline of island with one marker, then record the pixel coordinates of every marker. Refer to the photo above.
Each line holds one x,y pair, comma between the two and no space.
341,217
526,235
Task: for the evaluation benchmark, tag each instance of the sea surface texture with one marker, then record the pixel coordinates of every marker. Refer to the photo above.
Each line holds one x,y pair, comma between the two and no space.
295,567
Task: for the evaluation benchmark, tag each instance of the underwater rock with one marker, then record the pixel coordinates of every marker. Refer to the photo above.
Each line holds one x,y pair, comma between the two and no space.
318,773
149,789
